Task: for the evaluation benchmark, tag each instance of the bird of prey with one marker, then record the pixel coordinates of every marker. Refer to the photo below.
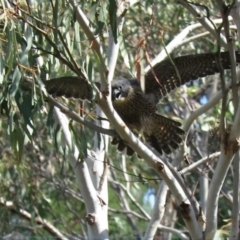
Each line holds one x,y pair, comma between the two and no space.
137,108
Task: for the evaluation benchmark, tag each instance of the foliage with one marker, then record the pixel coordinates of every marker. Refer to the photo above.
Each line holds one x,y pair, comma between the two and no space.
43,41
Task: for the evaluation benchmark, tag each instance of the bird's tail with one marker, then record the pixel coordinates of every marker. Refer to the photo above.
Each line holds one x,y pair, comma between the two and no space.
165,134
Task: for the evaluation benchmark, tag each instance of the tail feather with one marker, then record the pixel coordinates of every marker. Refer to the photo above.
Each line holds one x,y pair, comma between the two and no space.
165,134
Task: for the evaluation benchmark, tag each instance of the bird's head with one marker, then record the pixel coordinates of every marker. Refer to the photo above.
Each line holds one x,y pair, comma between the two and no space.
120,89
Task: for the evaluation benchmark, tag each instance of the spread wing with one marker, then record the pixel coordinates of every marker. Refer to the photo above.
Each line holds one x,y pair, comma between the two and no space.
69,87
160,80
189,67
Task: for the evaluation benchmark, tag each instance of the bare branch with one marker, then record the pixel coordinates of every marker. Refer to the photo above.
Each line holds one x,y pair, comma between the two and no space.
180,40
204,21
211,103
96,212
43,222
229,146
196,164
125,206
235,203
180,234
133,200
157,212
73,115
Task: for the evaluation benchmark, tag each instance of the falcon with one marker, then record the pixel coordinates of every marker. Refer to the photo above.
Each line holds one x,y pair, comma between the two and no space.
137,108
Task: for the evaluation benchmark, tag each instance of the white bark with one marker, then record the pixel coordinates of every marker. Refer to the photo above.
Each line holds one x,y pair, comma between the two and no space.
236,199
95,208
219,177
157,212
235,13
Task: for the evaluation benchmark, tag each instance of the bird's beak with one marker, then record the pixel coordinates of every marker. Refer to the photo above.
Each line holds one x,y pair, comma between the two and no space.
116,94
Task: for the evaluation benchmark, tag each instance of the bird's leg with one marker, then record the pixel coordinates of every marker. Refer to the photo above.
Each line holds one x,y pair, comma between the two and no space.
121,144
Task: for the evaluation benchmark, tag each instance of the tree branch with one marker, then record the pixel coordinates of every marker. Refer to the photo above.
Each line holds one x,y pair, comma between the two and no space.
153,162
205,22
44,223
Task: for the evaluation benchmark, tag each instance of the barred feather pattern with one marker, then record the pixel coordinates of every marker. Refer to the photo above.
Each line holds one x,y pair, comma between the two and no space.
138,108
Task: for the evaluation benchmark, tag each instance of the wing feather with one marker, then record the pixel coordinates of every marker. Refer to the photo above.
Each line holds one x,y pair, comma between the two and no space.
69,87
173,74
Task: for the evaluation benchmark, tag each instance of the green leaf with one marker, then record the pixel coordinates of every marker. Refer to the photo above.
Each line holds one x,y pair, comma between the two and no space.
10,50
17,142
81,142
125,54
92,12
24,103
16,79
113,18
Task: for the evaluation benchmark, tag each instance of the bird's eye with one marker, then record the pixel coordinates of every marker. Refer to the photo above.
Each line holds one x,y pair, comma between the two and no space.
120,88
